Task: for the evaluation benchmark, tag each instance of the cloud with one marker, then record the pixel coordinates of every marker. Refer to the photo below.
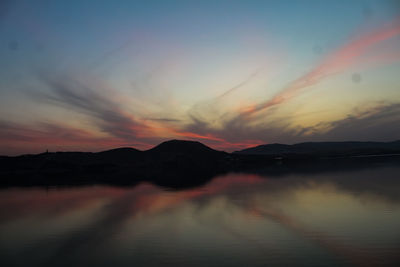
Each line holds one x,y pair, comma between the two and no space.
340,60
109,116
240,85
163,119
379,122
107,113
103,111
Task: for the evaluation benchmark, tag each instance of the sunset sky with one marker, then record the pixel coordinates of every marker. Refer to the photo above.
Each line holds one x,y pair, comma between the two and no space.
95,75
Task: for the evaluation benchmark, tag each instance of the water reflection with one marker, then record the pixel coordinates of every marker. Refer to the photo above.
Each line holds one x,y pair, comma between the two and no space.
348,218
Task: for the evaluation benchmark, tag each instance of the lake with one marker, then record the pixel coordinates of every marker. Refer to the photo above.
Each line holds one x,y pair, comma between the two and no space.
341,217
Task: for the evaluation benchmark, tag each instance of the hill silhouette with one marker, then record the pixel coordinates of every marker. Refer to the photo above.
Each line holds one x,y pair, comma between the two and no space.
176,147
179,163
325,149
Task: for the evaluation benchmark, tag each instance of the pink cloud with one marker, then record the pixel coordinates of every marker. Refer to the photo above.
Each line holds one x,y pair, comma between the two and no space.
345,57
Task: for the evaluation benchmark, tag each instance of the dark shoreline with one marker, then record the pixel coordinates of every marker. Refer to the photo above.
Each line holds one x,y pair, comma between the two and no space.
190,165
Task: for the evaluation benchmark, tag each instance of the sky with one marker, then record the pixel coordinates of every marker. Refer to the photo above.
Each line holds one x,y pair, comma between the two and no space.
94,75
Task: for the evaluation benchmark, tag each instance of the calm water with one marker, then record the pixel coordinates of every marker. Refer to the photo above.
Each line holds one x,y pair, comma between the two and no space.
344,218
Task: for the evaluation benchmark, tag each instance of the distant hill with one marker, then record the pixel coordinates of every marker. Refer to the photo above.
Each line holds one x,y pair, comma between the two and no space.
182,147
186,149
327,149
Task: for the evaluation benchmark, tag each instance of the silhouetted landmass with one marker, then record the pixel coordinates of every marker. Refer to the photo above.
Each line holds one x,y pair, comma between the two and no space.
324,149
178,163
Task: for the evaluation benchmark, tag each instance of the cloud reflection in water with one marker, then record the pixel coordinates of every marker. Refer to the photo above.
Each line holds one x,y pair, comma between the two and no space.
339,218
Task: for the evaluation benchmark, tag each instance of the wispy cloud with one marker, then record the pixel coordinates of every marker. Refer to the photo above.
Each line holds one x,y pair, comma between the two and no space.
339,61
163,119
108,115
378,122
240,85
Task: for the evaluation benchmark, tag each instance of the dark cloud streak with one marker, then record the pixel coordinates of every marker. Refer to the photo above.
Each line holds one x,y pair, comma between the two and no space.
381,122
107,114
